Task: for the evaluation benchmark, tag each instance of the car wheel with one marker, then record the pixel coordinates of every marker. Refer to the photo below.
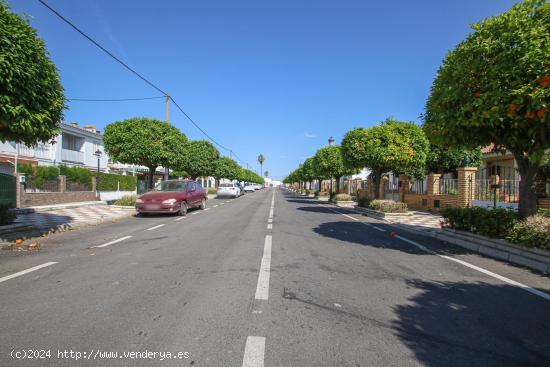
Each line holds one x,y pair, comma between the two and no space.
183,209
203,204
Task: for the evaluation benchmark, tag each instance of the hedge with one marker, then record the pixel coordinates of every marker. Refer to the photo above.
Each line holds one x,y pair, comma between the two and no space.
37,174
486,222
77,174
388,206
110,182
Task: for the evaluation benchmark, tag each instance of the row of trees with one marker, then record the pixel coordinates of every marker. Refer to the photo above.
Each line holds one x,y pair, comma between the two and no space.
493,88
153,143
32,101
393,146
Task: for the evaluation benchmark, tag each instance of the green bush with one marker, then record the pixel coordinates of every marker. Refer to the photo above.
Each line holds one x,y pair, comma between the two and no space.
486,222
322,193
341,197
44,173
531,232
110,182
129,200
212,191
544,213
7,215
78,175
364,202
388,206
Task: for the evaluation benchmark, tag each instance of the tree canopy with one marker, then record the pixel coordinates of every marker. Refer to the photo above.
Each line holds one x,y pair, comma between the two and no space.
328,162
225,167
31,96
494,88
442,160
392,146
199,159
144,141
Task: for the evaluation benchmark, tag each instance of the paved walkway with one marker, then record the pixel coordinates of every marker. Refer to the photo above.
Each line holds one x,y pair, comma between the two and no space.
421,220
74,217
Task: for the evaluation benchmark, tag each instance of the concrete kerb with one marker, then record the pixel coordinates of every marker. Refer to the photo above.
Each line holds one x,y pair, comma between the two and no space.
47,208
536,259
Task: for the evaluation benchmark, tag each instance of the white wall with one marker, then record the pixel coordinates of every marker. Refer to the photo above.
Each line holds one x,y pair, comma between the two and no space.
115,195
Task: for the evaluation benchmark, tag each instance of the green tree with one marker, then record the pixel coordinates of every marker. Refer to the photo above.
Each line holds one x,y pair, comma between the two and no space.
307,172
31,96
199,159
261,160
393,146
494,88
329,162
225,168
146,142
266,173
442,160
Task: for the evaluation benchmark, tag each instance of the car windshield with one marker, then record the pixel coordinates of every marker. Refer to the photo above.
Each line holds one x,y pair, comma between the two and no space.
170,186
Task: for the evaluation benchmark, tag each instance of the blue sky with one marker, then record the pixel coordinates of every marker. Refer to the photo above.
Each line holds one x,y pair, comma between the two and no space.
272,77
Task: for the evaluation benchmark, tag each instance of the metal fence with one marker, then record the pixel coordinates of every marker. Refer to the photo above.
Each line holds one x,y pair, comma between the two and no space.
418,187
500,184
42,186
448,186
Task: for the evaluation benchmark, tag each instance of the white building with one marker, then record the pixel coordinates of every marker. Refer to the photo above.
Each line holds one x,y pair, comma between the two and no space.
73,146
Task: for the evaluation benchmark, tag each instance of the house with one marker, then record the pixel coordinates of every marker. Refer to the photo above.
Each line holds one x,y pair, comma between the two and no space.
73,146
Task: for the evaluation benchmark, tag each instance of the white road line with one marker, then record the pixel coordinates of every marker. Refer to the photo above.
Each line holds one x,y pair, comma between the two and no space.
254,351
155,227
270,213
195,213
215,206
262,289
113,242
269,220
23,272
178,219
207,209
270,226
546,296
525,287
222,203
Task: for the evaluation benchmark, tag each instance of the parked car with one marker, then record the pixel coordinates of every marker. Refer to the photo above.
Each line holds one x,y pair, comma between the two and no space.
229,189
249,188
172,196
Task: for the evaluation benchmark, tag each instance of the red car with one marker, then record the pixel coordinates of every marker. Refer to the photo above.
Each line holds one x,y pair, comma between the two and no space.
172,196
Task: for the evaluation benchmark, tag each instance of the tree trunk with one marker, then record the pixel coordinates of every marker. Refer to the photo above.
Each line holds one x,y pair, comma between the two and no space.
527,186
150,178
376,178
337,185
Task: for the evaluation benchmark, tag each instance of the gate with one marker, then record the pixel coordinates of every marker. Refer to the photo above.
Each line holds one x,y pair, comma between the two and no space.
8,189
498,185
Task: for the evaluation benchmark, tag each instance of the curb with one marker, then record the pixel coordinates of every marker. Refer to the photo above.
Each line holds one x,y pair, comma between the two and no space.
535,259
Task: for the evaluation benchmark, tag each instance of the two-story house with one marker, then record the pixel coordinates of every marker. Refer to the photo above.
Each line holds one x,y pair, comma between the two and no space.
73,146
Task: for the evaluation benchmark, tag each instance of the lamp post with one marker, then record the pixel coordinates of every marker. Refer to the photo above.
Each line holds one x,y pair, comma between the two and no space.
98,155
331,141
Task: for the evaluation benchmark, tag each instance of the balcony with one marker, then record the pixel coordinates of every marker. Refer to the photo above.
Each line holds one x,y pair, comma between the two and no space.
72,156
42,151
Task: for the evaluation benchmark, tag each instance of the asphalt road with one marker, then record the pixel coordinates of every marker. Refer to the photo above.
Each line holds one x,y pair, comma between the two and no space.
268,279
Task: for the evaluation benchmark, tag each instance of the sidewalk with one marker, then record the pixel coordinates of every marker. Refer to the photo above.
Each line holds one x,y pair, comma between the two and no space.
422,221
72,217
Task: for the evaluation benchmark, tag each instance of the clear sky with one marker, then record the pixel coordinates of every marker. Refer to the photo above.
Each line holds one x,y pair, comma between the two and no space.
272,77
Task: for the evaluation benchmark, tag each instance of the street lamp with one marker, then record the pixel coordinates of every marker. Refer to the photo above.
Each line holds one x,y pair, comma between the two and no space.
331,141
98,155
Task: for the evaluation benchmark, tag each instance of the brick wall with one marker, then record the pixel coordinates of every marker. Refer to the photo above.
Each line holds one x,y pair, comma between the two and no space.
428,202
51,198
544,203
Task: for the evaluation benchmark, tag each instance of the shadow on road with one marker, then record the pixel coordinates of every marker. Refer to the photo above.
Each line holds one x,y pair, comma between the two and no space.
358,233
474,324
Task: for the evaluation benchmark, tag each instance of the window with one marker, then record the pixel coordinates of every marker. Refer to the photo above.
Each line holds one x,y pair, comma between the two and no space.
71,142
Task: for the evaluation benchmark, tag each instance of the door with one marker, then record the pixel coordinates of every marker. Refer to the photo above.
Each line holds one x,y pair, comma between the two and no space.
8,188
192,193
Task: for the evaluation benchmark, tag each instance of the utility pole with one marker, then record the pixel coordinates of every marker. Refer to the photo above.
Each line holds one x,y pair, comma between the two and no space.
167,119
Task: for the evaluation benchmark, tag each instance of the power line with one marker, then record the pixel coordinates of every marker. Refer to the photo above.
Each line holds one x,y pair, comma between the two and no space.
112,100
135,73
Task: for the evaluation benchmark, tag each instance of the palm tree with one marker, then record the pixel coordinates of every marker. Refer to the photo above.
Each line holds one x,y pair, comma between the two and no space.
261,160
